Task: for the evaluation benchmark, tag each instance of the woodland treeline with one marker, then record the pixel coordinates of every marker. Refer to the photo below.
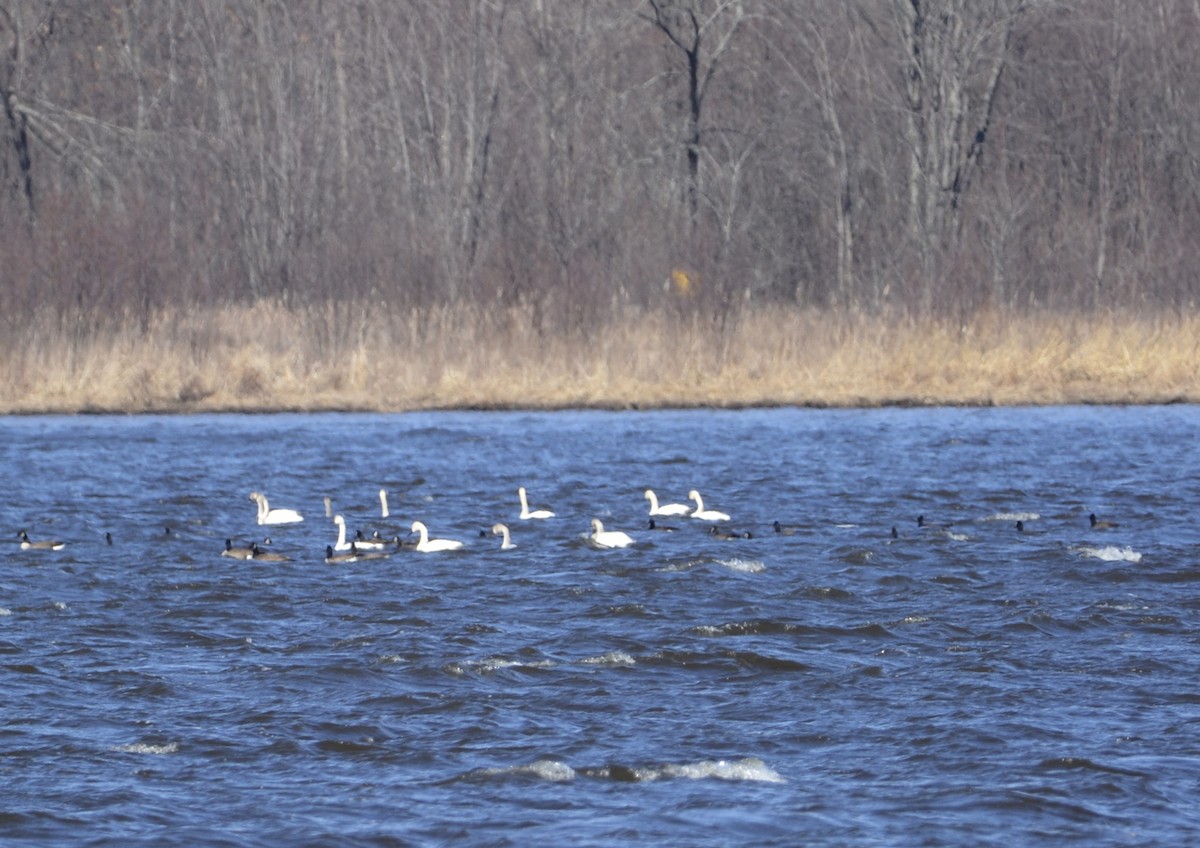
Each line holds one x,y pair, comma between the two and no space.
927,156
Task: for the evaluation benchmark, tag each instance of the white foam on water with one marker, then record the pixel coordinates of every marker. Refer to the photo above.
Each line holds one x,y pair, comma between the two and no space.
746,566
747,769
1013,516
615,658
1111,553
543,769
146,748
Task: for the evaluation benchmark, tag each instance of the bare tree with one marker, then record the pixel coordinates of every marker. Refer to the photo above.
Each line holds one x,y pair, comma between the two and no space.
702,31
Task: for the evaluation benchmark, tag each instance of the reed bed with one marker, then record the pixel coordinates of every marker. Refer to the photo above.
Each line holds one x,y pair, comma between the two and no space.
268,356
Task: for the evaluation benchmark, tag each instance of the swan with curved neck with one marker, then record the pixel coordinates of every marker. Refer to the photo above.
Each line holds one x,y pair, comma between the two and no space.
608,538
383,504
526,512
702,513
427,545
266,515
506,542
665,509
362,543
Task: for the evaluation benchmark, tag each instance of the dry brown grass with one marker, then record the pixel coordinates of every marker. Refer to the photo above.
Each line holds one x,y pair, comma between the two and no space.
269,357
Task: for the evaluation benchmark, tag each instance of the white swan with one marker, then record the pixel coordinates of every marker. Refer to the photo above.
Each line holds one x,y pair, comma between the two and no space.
40,545
427,545
383,504
266,515
665,509
526,512
609,538
361,543
501,530
702,513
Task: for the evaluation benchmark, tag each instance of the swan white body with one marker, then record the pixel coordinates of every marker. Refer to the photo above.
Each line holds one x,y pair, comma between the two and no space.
506,542
702,513
361,544
266,515
609,538
427,545
665,509
526,512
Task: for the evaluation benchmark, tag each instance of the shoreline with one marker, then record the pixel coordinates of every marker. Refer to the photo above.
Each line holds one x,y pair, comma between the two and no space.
268,358
888,403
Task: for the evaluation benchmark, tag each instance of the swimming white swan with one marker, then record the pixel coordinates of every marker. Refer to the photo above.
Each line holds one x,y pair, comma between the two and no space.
501,530
526,512
609,538
702,513
40,544
427,545
383,505
363,544
266,515
665,509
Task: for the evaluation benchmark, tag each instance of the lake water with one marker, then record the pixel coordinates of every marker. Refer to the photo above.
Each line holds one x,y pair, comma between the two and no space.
831,685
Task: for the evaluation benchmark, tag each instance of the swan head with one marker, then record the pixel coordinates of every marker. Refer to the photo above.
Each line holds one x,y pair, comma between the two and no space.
418,527
338,519
693,495
597,527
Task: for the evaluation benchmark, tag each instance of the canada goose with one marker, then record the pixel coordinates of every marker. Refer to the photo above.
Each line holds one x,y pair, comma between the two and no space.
266,515
727,534
526,512
266,556
506,542
1101,525
237,553
1020,526
332,558
107,537
665,509
702,513
40,545
375,543
609,538
784,530
427,545
665,528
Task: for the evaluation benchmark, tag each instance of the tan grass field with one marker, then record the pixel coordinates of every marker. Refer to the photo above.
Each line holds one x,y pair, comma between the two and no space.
267,357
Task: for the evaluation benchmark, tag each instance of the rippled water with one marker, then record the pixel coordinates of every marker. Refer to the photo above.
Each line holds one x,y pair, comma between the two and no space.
828,685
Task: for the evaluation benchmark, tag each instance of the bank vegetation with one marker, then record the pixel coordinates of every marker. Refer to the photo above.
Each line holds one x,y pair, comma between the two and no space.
259,204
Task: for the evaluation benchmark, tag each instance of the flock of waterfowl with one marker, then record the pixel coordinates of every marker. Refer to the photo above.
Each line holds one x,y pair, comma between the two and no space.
362,547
